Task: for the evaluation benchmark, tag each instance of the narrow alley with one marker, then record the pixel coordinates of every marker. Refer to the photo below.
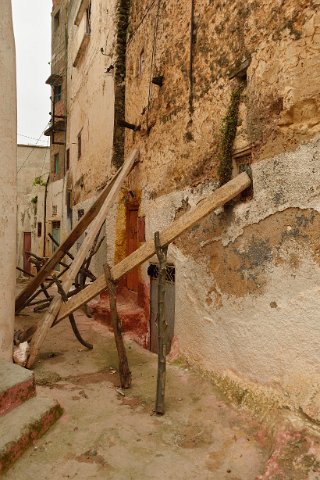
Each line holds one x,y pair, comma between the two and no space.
159,240
109,433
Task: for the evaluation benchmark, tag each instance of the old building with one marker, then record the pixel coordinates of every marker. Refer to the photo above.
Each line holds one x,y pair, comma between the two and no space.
205,90
246,279
33,164
8,191
57,126
81,128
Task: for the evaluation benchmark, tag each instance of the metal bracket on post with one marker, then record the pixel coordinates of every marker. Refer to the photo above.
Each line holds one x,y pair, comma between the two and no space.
161,252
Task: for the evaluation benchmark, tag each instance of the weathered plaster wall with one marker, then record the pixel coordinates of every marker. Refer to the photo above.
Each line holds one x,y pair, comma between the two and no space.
59,45
8,192
279,106
247,277
32,162
90,100
247,283
55,211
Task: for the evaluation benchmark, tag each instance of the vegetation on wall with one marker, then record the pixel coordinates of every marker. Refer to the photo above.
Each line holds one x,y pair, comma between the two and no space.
123,14
228,135
38,181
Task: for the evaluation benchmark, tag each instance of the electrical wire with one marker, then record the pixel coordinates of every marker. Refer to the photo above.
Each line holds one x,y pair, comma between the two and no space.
30,153
26,136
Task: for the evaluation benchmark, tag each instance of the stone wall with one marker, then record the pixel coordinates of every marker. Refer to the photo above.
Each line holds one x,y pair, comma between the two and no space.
247,277
33,165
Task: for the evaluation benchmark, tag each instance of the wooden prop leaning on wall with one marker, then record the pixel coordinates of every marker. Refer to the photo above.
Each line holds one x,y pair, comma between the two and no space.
64,248
215,200
50,316
124,370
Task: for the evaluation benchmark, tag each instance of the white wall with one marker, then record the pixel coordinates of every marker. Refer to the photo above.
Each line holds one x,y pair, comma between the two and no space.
267,341
8,155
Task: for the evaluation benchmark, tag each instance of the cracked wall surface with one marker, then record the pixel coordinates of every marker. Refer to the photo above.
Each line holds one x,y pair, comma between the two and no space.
247,277
90,100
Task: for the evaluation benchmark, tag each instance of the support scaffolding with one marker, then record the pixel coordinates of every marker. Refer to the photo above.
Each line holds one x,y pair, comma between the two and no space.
64,304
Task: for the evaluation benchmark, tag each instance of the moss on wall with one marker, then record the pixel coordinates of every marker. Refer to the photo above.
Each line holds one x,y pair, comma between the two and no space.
123,14
228,135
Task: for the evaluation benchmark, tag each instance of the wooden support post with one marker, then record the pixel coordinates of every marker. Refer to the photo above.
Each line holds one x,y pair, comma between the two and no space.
124,371
78,230
73,323
162,325
217,198
92,232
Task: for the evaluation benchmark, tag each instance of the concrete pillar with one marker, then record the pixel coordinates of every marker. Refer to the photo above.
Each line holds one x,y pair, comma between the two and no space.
8,154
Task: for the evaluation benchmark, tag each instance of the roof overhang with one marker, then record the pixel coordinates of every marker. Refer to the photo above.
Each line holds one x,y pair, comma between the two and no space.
54,79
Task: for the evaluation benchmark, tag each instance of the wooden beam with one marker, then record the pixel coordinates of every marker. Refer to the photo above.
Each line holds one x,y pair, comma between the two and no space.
70,275
65,246
215,200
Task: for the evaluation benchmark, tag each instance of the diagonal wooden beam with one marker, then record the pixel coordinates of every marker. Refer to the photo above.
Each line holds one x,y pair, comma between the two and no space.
65,246
216,199
50,316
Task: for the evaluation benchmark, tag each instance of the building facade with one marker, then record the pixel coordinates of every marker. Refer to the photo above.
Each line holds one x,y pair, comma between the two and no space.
33,164
206,90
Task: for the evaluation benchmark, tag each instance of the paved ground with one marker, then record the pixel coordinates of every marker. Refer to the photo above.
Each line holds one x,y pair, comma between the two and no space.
104,435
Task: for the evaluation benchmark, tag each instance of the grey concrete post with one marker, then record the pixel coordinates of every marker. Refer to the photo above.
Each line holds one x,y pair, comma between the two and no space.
8,153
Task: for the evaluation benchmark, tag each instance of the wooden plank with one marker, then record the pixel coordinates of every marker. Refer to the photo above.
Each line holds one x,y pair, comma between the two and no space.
70,275
65,246
216,199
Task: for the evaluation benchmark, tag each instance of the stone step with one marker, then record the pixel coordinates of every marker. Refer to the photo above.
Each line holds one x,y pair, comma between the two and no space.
16,386
25,424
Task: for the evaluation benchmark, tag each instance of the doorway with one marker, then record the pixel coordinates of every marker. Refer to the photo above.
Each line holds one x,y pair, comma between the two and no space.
153,272
132,243
26,251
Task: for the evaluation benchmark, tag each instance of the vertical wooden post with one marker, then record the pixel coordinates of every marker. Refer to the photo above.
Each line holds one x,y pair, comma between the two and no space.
124,371
162,325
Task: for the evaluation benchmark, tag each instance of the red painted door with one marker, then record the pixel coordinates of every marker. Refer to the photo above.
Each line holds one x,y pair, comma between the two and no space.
26,250
132,244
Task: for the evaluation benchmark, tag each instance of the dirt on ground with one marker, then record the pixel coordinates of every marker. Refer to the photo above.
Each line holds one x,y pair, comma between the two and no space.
107,433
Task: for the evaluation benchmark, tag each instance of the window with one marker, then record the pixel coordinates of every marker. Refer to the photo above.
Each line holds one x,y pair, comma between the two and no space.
68,159
141,62
56,21
39,229
56,164
57,93
79,146
54,210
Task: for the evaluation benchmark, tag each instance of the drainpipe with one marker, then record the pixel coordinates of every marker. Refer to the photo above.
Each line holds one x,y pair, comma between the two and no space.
8,192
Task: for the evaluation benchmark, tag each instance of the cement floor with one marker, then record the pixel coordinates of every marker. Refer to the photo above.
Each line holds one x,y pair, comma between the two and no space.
104,435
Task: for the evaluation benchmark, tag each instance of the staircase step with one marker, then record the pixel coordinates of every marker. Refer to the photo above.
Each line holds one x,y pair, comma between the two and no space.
21,427
16,386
